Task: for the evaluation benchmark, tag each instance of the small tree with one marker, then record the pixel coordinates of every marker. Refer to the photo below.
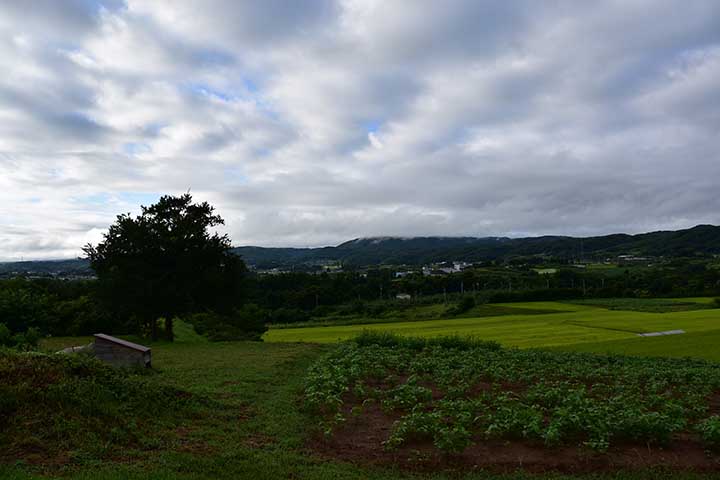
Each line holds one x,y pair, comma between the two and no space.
164,263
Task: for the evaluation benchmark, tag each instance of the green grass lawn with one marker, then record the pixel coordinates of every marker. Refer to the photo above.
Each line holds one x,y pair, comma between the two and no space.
573,324
578,324
512,330
698,344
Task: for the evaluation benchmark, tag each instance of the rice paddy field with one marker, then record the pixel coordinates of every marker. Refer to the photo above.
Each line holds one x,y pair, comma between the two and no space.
598,328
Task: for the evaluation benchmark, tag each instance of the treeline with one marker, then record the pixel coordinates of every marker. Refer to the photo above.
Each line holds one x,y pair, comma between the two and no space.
308,292
50,307
64,307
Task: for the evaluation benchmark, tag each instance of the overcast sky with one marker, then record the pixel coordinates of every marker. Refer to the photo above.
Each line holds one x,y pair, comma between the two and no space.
310,123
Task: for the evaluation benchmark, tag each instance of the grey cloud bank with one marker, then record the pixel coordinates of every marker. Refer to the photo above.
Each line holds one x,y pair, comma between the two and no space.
309,125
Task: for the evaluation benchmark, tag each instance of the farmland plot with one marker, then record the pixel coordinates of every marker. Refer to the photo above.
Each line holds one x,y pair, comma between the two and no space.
572,324
446,401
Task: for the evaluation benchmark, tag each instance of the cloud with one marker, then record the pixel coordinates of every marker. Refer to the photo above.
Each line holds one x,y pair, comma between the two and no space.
374,140
312,124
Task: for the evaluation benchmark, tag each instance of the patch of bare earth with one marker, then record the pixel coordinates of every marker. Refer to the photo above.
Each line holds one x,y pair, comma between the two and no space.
34,455
714,403
189,443
258,441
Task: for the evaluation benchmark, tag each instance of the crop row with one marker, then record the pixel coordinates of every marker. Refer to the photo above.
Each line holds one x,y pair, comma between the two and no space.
454,393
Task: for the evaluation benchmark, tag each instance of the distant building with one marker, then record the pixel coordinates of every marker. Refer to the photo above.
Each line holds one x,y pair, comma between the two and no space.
460,266
632,258
445,268
403,296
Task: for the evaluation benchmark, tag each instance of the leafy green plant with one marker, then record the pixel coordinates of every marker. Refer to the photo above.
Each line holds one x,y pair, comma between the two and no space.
456,390
407,395
21,340
710,431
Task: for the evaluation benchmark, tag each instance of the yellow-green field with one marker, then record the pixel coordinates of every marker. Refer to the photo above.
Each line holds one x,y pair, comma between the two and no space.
580,327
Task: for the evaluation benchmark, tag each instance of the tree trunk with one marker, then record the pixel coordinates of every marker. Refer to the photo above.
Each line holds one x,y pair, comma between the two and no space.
169,328
153,329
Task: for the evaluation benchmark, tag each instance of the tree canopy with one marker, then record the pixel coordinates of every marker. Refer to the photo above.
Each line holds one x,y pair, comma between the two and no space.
165,262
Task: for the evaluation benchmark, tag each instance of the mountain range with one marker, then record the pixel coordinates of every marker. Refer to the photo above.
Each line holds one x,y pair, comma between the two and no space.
699,240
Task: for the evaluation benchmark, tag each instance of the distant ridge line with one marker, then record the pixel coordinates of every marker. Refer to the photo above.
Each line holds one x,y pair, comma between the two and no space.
397,250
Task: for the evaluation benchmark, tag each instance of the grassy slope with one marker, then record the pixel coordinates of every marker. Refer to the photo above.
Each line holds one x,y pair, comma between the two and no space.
259,432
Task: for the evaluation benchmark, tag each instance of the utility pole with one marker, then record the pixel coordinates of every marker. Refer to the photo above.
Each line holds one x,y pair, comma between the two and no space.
462,287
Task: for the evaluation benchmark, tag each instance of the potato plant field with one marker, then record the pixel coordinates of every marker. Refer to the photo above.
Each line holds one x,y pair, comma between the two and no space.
446,397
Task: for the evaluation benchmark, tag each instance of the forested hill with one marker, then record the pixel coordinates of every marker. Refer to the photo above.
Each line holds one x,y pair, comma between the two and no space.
69,268
702,239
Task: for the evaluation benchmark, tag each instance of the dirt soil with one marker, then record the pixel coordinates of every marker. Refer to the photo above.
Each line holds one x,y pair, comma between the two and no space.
359,440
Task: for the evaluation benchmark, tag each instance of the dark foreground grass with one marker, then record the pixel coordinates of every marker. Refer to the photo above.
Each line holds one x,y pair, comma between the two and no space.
249,424
59,409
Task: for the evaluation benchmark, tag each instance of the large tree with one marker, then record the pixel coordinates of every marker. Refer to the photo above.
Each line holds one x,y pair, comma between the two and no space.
165,262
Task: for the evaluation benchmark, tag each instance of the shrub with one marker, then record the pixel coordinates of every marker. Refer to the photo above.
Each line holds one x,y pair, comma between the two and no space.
5,336
465,304
32,336
385,339
246,323
82,316
26,340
